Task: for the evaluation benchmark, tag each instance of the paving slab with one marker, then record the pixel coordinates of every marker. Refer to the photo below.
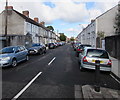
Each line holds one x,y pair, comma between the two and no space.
105,93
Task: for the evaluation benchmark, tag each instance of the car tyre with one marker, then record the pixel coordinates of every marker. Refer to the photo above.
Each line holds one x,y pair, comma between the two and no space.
40,52
77,54
44,51
14,63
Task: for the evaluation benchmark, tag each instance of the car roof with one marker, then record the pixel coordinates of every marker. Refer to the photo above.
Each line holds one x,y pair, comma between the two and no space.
85,44
13,46
86,48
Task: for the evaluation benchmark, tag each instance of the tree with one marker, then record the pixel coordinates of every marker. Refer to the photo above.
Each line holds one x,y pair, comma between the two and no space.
117,21
62,37
72,39
101,34
51,28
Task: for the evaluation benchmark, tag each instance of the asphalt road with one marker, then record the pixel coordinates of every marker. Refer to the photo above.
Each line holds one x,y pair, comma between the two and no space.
53,75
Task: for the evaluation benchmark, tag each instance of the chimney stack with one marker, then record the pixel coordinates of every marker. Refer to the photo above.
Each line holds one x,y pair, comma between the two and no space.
26,13
92,20
36,19
9,7
42,23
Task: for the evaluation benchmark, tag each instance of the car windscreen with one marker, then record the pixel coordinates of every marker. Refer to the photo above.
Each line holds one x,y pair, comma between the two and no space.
83,46
7,50
97,53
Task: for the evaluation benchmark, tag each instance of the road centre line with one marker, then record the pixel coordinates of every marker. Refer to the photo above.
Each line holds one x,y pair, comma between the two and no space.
114,78
17,96
51,60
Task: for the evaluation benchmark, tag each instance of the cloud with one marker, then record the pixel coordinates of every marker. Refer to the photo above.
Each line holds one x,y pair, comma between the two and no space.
73,31
67,11
107,1
99,8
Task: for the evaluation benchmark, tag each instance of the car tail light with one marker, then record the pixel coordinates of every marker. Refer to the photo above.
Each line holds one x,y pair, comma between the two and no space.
78,49
84,59
109,62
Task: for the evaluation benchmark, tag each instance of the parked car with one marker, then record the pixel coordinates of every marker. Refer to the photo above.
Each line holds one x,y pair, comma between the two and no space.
37,48
75,45
56,44
80,48
12,55
51,45
88,57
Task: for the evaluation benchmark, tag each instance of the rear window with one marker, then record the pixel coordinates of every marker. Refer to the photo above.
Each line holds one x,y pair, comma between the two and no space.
34,45
97,53
83,46
86,46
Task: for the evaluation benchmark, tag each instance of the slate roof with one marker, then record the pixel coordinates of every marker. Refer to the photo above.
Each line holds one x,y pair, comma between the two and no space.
31,20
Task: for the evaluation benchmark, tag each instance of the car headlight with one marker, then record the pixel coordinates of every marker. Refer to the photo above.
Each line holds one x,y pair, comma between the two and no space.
35,50
5,58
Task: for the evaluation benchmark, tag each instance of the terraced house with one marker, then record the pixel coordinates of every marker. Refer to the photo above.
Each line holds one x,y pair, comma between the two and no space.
22,30
99,28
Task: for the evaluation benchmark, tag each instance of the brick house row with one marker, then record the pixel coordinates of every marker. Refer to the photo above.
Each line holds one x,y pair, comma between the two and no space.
22,30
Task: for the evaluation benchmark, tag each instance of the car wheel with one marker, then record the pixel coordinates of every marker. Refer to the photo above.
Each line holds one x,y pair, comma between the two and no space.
77,54
44,51
27,58
40,52
14,63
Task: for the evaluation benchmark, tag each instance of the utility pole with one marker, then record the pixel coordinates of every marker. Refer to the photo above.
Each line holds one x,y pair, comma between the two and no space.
6,22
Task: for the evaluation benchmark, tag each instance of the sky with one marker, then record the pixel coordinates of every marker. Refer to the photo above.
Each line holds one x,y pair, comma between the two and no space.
66,16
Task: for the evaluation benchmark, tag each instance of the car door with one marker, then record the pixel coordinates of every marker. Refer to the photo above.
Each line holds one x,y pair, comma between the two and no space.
18,54
22,53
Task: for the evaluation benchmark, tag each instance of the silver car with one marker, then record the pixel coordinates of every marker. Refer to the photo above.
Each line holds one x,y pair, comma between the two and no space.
88,57
12,55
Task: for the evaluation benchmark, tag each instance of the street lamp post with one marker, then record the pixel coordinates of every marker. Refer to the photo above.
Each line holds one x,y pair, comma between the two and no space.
6,22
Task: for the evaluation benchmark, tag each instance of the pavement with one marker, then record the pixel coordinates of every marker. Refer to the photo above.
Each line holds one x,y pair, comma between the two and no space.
115,67
89,93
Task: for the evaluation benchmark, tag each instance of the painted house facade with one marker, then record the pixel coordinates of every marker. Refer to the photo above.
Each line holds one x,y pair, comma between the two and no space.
102,25
21,27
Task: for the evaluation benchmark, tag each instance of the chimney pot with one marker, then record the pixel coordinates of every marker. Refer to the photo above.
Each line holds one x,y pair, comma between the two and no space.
36,19
92,20
26,13
42,23
9,7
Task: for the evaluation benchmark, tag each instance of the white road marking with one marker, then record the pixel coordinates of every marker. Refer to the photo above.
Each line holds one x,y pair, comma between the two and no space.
17,96
114,78
51,60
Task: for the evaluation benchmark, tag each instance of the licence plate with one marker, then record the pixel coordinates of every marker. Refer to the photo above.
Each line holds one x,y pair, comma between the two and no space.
95,60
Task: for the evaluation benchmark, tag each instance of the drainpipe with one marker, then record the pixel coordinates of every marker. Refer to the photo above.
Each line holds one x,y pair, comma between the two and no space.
6,22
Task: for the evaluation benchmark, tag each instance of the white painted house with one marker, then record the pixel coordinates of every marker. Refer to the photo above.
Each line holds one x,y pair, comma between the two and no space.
103,23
